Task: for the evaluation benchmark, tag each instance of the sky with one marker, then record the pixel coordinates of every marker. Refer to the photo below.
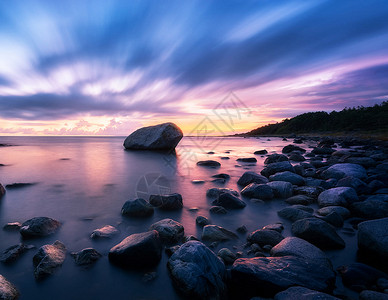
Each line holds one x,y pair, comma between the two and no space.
108,67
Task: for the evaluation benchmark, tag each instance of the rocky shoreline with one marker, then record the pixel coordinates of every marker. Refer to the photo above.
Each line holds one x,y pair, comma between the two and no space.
346,178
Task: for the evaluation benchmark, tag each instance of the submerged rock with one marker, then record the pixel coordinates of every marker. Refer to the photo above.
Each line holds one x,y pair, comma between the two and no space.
219,210
138,250
104,232
86,257
164,136
12,253
209,163
247,159
7,290
214,233
170,231
227,256
38,227
264,237
167,202
229,201
137,208
48,259
202,221
251,177
197,272
2,191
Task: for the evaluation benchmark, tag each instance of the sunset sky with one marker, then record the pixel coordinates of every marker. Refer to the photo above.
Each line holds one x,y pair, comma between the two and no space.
109,67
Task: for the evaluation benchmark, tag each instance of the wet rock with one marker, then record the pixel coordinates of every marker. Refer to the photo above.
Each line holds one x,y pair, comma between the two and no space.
260,152
48,259
209,163
14,226
299,199
301,293
197,272
318,233
247,159
86,257
227,256
2,191
12,253
170,250
219,210
277,227
266,276
170,231
340,196
281,189
296,157
366,162
202,221
290,148
358,276
137,208
310,191
373,295
138,250
242,229
264,237
7,290
339,171
293,214
229,201
221,176
216,192
342,211
334,219
38,227
214,233
164,136
260,191
277,167
357,184
167,202
323,150
104,232
370,209
274,158
251,177
195,181
288,176
373,238
18,185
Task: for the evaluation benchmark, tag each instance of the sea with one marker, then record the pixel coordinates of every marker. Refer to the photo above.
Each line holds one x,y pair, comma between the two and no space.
84,181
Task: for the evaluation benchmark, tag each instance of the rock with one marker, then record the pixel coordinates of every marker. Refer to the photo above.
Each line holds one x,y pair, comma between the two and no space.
296,157
318,232
209,163
214,233
170,250
276,168
164,136
222,176
149,276
104,232
274,158
247,159
299,199
293,246
264,237
12,253
167,202
357,184
170,231
334,219
227,256
310,191
38,227
216,192
251,177
301,293
288,176
373,238
2,192
12,226
7,290
229,201
323,150
340,196
293,214
195,181
197,272
370,209
138,250
48,259
18,185
358,276
242,229
366,162
298,141
260,152
277,227
290,148
342,211
219,210
372,295
137,208
281,189
85,257
339,171
266,276
202,221
260,191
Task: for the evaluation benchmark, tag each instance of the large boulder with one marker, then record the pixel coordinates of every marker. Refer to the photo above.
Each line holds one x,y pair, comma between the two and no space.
7,290
251,177
48,259
138,250
214,233
302,293
197,272
167,202
170,231
258,191
164,136
318,233
288,176
264,237
137,208
373,238
229,201
277,167
266,276
339,196
38,227
281,189
359,186
339,171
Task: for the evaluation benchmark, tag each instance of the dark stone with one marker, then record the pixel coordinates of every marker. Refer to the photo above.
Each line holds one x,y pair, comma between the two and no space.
310,191
373,295
293,214
339,171
7,290
281,189
170,231
202,221
229,201
12,226
342,211
334,219
12,253
227,256
214,233
247,159
86,257
296,157
277,227
219,210
48,259
264,237
274,158
299,199
222,176
137,208
38,227
216,192
260,191
167,202
138,250
260,152
19,185
370,209
277,167
104,232
373,238
251,177
2,191
339,196
209,163
288,176
302,293
323,150
290,148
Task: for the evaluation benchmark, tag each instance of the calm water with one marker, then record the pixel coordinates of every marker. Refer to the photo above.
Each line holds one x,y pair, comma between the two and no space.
84,181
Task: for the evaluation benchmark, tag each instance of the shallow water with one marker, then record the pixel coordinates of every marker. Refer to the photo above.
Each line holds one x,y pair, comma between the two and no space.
84,181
